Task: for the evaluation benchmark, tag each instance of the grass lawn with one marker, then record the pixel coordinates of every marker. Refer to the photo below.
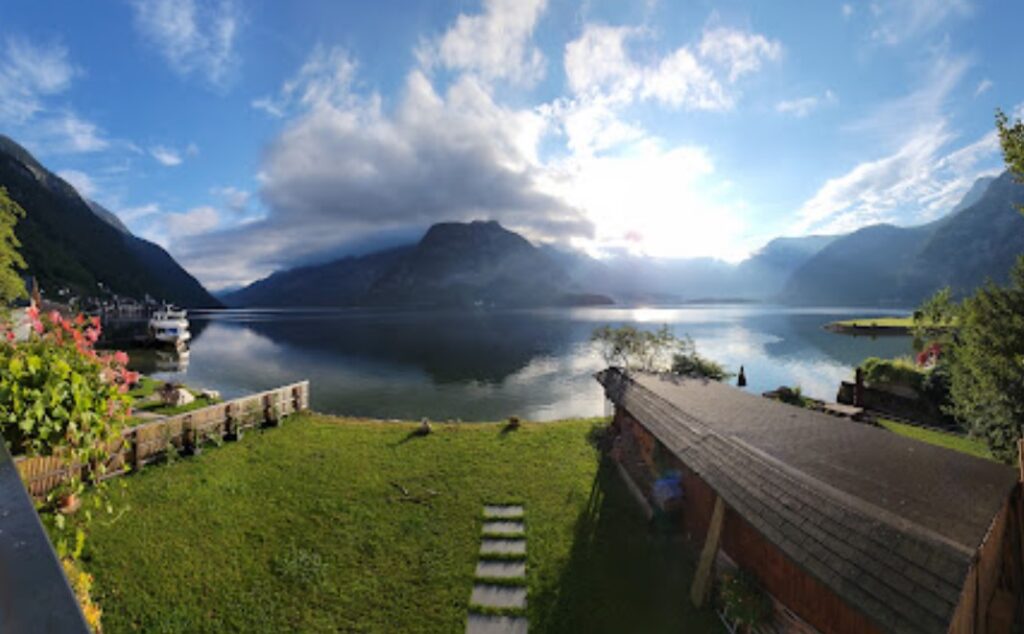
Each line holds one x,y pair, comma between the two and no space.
949,441
157,407
878,322
305,528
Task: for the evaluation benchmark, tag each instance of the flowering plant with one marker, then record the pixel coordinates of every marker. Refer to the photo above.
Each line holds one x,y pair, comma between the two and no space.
59,396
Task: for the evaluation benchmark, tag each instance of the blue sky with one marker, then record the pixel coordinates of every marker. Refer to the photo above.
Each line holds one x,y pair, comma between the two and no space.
246,137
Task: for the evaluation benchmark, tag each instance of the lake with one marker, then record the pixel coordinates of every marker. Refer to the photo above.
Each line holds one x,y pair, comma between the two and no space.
488,365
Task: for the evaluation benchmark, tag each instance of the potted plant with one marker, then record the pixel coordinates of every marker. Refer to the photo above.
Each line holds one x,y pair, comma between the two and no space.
742,601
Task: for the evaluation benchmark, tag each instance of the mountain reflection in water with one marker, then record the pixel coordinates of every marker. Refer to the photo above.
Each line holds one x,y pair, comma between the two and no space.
488,365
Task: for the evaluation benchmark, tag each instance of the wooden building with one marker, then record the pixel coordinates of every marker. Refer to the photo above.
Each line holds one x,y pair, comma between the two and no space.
848,527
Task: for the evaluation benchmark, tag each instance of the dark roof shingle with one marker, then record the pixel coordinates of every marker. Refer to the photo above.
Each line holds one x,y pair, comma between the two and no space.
888,523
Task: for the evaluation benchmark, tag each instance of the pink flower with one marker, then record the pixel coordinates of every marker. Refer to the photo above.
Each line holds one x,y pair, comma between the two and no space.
121,358
80,319
132,378
10,336
32,312
55,317
95,321
37,326
92,334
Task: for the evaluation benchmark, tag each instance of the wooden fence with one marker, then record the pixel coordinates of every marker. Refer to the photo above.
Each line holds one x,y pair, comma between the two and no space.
185,432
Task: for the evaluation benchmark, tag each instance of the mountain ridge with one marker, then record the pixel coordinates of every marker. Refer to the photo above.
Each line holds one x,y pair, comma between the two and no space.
70,242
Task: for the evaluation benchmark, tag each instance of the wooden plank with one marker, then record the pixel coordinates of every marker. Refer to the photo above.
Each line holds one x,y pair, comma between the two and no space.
705,567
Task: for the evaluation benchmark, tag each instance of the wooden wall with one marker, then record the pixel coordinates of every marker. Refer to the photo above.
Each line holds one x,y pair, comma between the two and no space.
996,571
145,443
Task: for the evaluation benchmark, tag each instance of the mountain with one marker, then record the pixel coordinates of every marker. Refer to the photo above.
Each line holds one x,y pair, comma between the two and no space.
900,266
69,242
764,274
454,264
343,282
639,279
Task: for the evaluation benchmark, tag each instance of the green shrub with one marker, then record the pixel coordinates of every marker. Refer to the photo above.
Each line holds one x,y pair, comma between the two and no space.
690,363
792,396
59,397
894,371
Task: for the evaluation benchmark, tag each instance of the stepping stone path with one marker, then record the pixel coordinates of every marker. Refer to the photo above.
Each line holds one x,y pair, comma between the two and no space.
503,564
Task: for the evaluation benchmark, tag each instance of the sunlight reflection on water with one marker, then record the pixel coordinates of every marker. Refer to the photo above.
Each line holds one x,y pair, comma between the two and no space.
488,365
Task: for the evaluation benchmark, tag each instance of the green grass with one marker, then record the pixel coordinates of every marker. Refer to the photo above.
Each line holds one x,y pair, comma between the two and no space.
877,322
962,444
158,407
303,528
144,388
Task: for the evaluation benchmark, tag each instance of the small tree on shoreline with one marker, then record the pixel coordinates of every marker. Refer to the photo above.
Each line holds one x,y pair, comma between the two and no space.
659,350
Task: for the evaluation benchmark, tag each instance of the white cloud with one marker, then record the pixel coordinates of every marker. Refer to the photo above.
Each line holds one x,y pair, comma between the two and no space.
651,198
194,37
983,86
325,79
846,10
192,222
28,73
68,133
165,156
599,64
237,200
918,183
740,52
495,44
83,184
803,106
900,20
132,215
346,168
32,76
920,178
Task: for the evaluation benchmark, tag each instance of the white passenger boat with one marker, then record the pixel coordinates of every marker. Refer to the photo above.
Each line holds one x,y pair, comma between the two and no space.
169,327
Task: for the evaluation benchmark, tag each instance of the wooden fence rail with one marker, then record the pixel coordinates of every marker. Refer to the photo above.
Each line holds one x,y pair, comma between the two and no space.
147,442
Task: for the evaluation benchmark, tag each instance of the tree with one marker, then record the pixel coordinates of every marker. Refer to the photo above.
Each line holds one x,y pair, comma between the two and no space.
11,285
654,351
1011,137
987,364
632,349
688,362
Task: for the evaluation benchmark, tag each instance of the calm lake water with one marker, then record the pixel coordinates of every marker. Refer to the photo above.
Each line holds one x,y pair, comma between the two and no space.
489,365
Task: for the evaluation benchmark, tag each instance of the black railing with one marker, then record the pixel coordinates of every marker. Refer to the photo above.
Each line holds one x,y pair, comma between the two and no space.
34,593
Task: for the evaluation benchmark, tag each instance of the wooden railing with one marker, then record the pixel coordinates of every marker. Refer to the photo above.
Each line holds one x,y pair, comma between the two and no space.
142,444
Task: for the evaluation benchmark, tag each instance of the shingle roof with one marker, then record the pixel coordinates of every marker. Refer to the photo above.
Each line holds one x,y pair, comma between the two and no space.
888,523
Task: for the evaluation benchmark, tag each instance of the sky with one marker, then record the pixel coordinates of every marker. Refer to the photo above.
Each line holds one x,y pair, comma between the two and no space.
246,137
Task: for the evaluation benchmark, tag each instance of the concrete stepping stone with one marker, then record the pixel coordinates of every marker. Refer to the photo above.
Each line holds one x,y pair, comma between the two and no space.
501,569
498,596
503,547
502,511
504,528
483,624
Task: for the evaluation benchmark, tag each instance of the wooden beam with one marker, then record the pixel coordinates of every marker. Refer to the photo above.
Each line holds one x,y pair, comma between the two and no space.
702,578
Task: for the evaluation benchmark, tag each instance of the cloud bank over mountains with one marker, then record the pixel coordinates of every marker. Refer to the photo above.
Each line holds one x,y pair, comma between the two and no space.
575,130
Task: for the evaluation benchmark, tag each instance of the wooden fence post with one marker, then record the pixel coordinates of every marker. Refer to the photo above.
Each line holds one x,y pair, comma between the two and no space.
702,578
190,444
136,450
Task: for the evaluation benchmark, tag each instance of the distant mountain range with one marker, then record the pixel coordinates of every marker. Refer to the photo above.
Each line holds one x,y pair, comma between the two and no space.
900,266
454,264
70,242
482,263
